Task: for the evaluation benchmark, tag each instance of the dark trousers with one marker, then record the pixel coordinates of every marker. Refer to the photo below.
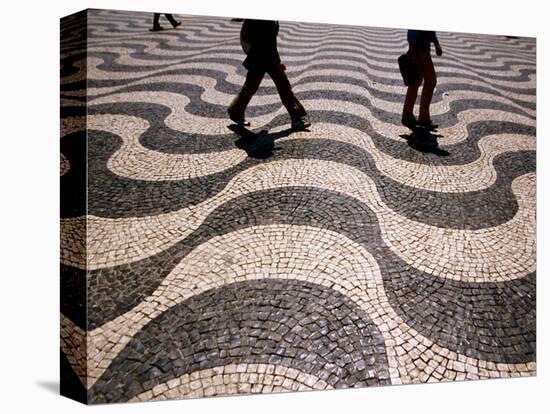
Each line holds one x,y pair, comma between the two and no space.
170,18
252,83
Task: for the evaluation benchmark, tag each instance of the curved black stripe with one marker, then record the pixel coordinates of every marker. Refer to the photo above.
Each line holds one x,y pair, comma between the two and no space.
491,321
69,384
173,141
110,64
110,195
283,322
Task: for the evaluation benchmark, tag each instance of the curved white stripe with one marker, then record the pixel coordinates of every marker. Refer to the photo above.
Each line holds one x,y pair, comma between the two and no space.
477,255
212,95
304,253
181,120
94,72
134,161
353,42
289,43
73,345
308,29
234,379
232,44
471,44
324,57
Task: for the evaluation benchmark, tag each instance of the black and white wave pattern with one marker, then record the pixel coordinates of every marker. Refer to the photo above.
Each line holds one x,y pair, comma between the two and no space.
347,256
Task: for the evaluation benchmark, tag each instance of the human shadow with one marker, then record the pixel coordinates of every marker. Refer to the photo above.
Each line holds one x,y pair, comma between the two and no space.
258,145
424,140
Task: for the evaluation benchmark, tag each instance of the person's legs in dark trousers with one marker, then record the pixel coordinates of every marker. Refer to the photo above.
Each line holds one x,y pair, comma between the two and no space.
293,106
238,106
156,23
171,19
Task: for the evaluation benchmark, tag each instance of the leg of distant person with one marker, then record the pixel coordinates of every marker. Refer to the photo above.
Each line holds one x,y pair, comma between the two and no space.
156,22
171,19
238,106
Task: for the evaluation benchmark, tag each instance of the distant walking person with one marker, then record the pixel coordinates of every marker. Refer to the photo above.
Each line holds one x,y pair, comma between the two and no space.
259,41
419,50
156,23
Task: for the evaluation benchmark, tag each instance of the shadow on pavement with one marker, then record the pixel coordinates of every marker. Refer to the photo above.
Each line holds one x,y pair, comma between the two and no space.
423,140
259,145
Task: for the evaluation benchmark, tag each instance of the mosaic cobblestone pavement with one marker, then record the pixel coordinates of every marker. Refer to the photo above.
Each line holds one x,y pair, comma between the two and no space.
353,254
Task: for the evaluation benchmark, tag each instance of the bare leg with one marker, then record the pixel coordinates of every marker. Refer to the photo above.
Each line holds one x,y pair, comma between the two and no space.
238,106
410,99
428,73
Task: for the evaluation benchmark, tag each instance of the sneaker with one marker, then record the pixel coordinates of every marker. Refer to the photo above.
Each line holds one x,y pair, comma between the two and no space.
300,124
177,24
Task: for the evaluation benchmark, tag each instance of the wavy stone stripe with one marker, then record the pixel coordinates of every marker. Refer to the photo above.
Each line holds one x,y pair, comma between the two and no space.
220,24
472,49
134,282
74,348
234,379
285,322
511,243
228,68
481,210
126,58
134,161
474,176
354,67
295,257
460,138
196,239
132,289
234,75
290,44
218,90
473,211
112,196
170,43
217,55
400,150
386,100
180,119
310,31
304,253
